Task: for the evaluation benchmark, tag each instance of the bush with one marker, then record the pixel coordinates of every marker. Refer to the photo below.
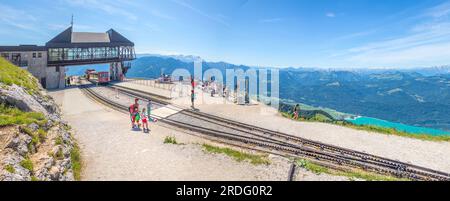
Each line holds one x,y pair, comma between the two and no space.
170,140
27,164
351,174
75,158
10,169
59,154
42,134
13,116
59,140
237,155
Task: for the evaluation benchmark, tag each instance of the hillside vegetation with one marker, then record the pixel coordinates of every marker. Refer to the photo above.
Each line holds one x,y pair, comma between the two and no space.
13,116
35,144
370,128
11,74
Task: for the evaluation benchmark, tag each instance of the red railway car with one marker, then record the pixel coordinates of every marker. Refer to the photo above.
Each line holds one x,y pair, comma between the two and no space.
97,77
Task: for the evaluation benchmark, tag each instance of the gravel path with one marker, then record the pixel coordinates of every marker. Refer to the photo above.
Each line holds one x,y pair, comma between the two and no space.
111,151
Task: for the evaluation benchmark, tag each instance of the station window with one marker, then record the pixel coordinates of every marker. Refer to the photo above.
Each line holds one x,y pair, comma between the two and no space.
34,54
15,57
5,55
40,55
57,68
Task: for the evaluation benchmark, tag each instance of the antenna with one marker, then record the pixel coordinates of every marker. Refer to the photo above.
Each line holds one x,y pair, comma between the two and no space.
71,22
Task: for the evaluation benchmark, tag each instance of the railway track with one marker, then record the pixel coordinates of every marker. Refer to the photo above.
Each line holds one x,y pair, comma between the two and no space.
401,166
287,144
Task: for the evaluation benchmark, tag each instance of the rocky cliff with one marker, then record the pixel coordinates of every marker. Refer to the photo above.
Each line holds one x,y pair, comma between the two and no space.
35,144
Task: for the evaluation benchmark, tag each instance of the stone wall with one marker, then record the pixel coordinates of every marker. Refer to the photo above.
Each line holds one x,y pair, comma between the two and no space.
55,79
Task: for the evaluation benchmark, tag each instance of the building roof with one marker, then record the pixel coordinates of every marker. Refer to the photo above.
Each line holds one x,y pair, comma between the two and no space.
68,38
22,48
84,37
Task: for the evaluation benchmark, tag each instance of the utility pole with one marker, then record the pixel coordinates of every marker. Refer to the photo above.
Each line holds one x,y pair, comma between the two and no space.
71,22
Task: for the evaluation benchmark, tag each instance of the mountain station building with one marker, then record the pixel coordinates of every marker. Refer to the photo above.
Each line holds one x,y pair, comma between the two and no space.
48,63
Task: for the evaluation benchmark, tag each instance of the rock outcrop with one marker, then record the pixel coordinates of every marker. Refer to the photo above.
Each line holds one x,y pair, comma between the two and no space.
35,151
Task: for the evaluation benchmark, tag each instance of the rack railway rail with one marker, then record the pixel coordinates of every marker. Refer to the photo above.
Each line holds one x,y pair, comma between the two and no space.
281,143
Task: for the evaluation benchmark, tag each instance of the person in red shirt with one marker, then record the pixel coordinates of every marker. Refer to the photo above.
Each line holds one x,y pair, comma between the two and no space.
132,110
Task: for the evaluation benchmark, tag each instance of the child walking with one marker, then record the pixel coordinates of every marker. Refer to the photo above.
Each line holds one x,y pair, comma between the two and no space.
137,118
145,119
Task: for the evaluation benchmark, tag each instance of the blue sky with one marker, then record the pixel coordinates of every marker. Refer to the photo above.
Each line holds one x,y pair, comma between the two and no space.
280,33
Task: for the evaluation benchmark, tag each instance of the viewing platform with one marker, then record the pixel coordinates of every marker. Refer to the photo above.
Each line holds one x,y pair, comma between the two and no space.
148,86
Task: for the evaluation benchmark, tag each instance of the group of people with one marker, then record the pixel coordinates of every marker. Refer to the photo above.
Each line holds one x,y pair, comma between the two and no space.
137,116
69,81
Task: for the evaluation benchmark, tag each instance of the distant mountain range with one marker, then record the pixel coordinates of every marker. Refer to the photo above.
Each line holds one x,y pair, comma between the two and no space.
419,96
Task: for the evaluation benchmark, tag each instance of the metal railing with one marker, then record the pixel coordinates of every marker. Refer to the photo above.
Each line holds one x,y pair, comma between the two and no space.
150,82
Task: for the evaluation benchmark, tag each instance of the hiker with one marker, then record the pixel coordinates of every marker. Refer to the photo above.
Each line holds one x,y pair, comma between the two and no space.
131,109
192,91
149,112
224,91
296,111
145,119
192,98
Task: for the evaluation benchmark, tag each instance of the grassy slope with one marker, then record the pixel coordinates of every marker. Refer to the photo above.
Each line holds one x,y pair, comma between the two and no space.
237,155
11,74
14,116
354,174
374,129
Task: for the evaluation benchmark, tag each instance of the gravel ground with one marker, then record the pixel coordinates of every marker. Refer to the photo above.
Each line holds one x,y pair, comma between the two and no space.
180,117
112,151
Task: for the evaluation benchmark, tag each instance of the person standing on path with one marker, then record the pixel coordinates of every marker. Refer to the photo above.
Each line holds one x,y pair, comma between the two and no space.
145,118
192,92
132,109
149,110
296,111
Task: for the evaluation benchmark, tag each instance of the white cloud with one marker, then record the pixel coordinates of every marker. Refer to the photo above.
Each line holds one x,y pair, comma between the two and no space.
16,18
330,14
161,15
216,18
110,7
430,54
270,20
76,27
156,51
153,27
357,35
425,43
439,10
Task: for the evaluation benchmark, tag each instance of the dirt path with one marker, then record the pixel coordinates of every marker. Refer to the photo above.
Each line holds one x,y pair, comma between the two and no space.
111,151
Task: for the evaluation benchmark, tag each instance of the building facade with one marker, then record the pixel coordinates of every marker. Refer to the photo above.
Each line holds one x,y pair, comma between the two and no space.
48,63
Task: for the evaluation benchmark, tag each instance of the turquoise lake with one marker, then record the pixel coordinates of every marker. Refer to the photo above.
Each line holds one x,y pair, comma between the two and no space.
398,126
